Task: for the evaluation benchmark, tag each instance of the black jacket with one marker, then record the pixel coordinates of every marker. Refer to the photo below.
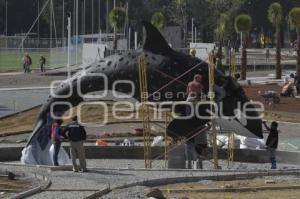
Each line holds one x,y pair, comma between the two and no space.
272,140
75,132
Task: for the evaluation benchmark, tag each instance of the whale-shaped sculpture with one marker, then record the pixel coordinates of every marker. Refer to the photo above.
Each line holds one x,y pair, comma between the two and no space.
163,65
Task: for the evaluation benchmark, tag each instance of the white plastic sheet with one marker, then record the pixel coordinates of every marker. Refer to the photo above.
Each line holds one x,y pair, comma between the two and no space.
33,151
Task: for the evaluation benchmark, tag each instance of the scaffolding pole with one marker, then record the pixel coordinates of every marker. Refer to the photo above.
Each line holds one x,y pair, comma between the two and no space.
211,95
145,109
230,150
168,119
232,63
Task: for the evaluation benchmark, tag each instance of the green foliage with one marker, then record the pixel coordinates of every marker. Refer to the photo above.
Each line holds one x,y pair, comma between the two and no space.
158,20
222,26
275,14
117,18
294,18
243,23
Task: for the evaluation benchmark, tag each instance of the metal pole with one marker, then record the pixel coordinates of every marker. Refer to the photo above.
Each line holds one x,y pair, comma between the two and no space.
212,101
38,23
50,24
76,31
84,17
74,16
69,45
129,37
99,15
92,16
192,29
82,11
114,3
195,35
107,16
135,40
63,20
6,25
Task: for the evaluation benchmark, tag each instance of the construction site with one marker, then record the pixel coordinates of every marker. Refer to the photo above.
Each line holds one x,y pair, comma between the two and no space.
158,120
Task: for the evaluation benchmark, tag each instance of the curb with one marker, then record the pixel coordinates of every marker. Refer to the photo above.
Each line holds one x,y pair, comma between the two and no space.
186,179
46,182
242,189
22,111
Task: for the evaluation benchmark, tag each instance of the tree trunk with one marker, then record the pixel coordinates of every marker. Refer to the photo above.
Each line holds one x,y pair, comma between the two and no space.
244,60
298,55
219,55
244,63
278,54
115,40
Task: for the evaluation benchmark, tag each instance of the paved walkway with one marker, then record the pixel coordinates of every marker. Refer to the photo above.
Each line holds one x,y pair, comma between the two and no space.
114,173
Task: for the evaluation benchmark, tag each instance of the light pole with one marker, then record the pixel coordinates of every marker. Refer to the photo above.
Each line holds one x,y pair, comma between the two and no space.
76,40
63,19
99,14
192,29
92,16
6,23
69,45
38,25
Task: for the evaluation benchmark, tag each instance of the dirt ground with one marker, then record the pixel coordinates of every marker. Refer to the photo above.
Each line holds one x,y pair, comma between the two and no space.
265,194
287,104
287,110
14,186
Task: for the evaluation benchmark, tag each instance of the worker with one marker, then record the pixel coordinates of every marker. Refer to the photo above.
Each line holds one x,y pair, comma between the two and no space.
193,52
76,135
194,89
287,90
56,137
194,93
272,142
201,147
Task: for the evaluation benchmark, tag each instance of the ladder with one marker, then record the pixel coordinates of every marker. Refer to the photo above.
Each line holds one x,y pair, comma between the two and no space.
145,109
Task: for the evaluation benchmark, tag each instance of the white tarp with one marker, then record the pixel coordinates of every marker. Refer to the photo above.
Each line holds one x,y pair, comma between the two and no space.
46,155
234,126
242,141
202,49
92,52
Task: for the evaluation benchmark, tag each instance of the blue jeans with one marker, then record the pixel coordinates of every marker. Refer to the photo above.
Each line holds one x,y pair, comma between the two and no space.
56,151
272,157
190,154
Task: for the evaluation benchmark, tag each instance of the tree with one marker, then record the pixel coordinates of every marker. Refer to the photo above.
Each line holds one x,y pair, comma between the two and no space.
221,31
117,19
275,17
294,19
158,20
177,13
243,24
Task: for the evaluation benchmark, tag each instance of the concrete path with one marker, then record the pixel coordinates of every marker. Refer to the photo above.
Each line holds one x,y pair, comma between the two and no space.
113,173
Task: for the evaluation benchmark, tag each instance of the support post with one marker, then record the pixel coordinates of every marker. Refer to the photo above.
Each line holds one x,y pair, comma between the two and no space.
135,40
168,118
211,96
145,109
230,149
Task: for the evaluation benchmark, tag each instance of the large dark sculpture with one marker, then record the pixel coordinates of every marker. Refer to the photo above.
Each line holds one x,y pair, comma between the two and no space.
163,64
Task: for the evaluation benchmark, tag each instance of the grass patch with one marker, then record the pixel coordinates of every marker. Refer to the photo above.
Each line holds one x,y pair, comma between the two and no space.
12,60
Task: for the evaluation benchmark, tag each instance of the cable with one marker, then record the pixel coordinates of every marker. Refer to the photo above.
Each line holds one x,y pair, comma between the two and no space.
177,78
26,35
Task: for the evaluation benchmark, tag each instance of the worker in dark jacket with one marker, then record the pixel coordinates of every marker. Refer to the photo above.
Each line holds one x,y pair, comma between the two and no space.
272,142
76,134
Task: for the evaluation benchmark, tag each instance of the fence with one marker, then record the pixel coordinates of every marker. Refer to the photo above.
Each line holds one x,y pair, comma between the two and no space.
11,58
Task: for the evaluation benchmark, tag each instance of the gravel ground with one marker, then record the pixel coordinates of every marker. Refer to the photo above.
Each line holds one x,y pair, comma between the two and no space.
104,173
